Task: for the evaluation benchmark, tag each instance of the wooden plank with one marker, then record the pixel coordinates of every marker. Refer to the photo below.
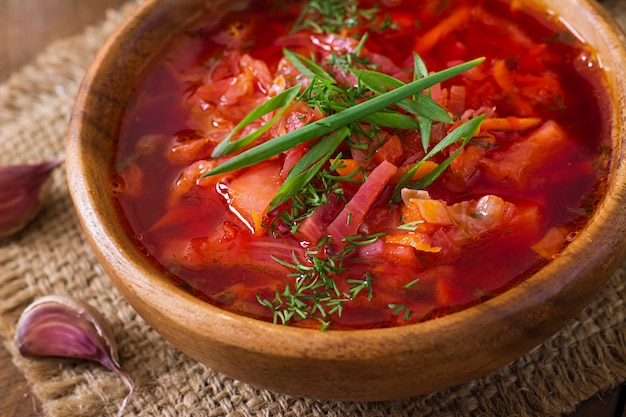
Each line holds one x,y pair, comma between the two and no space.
607,404
27,26
4,22
16,399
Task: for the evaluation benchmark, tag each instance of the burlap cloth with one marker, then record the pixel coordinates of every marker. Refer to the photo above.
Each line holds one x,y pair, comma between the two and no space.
52,256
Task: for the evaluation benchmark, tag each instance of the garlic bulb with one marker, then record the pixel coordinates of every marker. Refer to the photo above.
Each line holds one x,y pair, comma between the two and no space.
20,189
63,326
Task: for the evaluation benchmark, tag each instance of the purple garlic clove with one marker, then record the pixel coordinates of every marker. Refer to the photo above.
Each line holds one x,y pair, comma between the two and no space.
20,189
62,326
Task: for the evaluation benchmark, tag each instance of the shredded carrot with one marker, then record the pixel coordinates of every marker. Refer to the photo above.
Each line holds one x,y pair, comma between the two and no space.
423,44
257,221
349,166
426,168
502,75
418,241
510,123
505,80
515,5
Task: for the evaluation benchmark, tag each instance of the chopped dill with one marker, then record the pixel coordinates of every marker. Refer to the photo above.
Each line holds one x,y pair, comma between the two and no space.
334,16
410,226
480,293
398,309
314,293
412,283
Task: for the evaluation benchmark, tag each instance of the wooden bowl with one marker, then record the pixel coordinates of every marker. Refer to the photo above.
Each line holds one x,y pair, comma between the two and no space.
360,365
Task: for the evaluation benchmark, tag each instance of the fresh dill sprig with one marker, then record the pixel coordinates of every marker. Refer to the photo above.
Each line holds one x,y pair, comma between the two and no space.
397,309
314,294
412,283
360,240
333,16
410,226
356,286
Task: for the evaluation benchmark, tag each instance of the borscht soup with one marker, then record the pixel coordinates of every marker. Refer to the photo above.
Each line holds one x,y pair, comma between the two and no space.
358,164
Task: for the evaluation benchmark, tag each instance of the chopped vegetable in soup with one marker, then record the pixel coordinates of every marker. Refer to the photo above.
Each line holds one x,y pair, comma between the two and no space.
349,165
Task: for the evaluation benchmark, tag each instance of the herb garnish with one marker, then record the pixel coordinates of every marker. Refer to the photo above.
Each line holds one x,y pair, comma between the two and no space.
354,117
342,117
315,293
411,226
399,308
333,16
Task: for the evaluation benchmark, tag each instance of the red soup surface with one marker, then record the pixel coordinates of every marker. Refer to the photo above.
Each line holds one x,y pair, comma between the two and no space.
353,245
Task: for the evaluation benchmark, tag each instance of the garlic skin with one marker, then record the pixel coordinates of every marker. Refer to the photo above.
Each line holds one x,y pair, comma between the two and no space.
63,326
20,189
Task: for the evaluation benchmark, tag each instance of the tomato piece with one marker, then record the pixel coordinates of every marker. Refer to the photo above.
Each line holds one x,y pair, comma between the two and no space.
464,168
400,254
390,151
251,192
515,164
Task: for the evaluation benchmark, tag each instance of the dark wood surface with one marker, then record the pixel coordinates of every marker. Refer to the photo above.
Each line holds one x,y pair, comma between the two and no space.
26,26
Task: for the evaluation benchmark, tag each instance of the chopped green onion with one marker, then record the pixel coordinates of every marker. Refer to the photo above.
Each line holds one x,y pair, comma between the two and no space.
422,105
466,131
281,101
335,121
299,176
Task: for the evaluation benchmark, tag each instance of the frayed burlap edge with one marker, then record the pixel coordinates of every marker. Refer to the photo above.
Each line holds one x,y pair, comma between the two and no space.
52,256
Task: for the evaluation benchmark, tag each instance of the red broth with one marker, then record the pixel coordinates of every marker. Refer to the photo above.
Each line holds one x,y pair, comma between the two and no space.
513,198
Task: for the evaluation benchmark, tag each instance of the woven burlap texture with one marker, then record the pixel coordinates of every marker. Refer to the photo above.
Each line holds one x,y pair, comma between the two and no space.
52,256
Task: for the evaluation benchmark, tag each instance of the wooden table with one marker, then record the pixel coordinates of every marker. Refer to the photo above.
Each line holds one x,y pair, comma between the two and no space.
26,26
